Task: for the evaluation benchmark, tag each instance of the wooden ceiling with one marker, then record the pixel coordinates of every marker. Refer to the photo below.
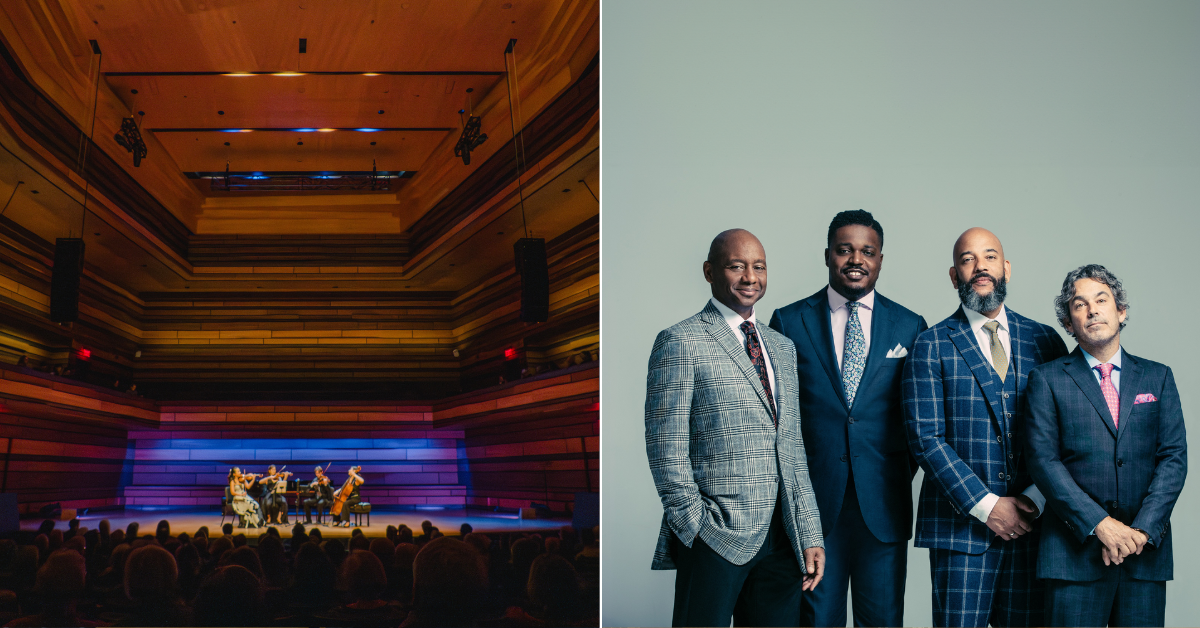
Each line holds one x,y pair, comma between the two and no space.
391,77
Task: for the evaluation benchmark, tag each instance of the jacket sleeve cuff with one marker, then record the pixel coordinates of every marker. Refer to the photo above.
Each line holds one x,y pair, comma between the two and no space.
983,507
1035,495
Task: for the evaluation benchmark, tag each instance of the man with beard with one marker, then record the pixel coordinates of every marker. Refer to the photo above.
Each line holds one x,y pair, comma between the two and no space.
740,522
1106,444
851,345
963,389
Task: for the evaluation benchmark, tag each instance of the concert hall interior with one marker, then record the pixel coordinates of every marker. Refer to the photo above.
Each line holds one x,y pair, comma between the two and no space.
301,269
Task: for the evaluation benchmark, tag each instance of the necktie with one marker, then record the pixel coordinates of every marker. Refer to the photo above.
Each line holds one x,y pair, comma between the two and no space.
854,353
999,359
1110,392
754,349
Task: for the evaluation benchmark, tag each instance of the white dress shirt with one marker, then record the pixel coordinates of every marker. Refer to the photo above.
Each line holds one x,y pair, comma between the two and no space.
984,507
839,315
1115,361
735,321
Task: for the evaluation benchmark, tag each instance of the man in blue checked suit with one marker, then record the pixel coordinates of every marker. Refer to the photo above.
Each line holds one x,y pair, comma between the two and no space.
740,521
851,345
963,387
1107,447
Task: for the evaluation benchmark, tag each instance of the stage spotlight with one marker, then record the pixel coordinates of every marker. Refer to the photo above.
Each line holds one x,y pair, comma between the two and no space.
130,138
470,140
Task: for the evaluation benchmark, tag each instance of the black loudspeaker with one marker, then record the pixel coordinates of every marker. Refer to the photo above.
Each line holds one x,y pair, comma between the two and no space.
64,281
535,279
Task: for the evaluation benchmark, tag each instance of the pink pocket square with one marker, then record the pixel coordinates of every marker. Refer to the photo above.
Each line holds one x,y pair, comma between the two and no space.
1144,398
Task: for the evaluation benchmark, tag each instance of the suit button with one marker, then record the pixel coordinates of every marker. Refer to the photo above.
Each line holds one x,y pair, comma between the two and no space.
1010,455
1009,434
1008,415
851,419
999,439
1006,395
1001,476
1120,463
1008,477
844,457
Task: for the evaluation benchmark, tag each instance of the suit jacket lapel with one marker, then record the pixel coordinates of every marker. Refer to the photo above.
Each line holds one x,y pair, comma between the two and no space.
720,331
773,354
1078,369
882,319
820,332
1131,379
964,340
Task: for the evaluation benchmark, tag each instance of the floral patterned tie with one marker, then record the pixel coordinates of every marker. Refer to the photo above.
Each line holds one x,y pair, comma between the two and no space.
754,349
854,353
1110,392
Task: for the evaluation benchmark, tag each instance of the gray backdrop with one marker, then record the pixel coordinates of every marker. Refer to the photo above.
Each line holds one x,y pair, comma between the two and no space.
1070,129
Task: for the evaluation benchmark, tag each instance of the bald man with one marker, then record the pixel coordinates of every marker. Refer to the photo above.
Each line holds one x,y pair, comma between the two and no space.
740,522
963,390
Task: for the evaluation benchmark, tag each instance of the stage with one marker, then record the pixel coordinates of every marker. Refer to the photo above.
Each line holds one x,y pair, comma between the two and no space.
447,520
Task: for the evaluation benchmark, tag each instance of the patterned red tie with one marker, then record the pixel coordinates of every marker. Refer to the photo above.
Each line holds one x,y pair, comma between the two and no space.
1110,392
756,358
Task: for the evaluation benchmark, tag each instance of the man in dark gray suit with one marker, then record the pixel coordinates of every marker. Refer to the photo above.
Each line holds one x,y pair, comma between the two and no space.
740,521
1106,446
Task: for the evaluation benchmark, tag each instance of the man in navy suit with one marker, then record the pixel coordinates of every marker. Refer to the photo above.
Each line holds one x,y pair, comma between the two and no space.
851,343
963,386
1106,445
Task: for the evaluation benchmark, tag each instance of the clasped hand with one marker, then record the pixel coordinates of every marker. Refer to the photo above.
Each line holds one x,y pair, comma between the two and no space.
1119,540
1012,517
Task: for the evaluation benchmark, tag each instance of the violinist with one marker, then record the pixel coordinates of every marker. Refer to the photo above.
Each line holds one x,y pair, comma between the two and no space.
345,497
320,495
248,511
275,502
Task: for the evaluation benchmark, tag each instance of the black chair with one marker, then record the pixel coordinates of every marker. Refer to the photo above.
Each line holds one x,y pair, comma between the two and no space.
360,509
226,508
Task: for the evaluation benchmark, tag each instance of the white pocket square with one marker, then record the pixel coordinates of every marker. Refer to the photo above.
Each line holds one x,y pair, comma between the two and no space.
897,352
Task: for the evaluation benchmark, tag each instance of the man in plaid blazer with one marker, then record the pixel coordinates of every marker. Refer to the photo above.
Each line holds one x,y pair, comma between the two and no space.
740,521
963,386
1107,446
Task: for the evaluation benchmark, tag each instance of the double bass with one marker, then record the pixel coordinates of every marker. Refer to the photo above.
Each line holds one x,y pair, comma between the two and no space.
342,494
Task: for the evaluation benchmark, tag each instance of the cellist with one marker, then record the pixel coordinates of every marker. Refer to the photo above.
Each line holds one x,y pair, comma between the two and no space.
345,497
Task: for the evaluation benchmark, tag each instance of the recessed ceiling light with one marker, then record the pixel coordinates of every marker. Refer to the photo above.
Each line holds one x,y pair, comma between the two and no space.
141,113
372,143
499,233
133,91
227,143
299,143
36,192
220,113
381,111
566,190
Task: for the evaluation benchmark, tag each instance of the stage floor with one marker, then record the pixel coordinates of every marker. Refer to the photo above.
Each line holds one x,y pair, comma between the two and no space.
448,521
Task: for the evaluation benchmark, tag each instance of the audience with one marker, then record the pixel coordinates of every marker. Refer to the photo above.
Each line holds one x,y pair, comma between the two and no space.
106,577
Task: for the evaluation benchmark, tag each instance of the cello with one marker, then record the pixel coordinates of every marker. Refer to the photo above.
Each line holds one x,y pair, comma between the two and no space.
342,494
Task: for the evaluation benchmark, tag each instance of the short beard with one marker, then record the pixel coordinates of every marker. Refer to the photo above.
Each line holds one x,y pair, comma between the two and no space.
973,301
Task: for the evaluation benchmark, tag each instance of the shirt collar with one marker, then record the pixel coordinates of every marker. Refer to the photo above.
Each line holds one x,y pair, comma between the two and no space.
1092,362
837,301
734,319
977,320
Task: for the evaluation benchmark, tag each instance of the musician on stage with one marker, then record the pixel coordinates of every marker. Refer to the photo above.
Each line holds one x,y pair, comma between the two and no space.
320,496
351,498
248,510
275,503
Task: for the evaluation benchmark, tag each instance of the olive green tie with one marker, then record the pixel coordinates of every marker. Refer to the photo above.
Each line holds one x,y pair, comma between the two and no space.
999,359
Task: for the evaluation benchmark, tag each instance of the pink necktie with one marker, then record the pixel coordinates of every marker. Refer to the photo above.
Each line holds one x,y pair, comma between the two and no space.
1110,392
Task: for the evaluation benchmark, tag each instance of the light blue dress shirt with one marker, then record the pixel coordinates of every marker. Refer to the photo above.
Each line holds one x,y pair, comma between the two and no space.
1115,361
